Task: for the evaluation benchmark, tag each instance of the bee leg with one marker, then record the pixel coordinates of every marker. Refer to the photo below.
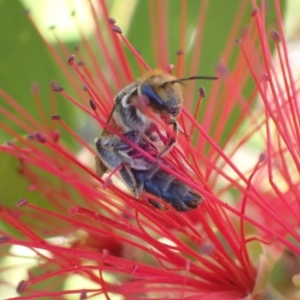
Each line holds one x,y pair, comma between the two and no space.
173,140
150,138
106,153
183,132
122,150
133,163
113,152
129,180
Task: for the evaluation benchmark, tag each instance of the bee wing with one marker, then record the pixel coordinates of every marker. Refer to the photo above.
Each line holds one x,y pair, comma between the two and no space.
109,121
100,168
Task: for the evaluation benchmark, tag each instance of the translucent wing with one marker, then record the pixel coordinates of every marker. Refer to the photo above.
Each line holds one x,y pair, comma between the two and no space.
100,167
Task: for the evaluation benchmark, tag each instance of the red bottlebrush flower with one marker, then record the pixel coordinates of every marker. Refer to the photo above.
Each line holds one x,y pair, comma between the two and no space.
74,233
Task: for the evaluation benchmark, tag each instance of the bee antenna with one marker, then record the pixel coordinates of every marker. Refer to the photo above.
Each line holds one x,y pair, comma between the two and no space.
188,78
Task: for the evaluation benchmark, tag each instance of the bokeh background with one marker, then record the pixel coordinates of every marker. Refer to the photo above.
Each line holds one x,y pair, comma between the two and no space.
25,59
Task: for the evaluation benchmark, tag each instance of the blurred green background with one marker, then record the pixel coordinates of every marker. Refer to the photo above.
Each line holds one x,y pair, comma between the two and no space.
25,59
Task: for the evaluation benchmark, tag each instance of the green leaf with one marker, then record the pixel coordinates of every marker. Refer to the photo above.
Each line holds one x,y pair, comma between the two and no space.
24,59
262,276
21,180
15,186
282,274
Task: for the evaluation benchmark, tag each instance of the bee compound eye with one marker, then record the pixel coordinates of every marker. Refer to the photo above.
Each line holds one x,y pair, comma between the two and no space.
154,100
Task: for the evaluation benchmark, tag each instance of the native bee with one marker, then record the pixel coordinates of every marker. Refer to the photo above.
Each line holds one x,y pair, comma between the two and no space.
157,90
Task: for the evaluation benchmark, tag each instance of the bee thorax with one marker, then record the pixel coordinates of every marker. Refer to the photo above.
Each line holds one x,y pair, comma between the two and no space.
131,118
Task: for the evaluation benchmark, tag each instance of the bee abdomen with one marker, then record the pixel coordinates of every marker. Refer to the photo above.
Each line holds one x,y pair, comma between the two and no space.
181,196
171,190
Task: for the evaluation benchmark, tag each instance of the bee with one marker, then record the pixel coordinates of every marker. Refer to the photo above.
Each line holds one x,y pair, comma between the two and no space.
157,182
157,90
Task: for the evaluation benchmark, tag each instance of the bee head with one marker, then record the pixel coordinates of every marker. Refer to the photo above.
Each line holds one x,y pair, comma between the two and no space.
167,101
164,91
